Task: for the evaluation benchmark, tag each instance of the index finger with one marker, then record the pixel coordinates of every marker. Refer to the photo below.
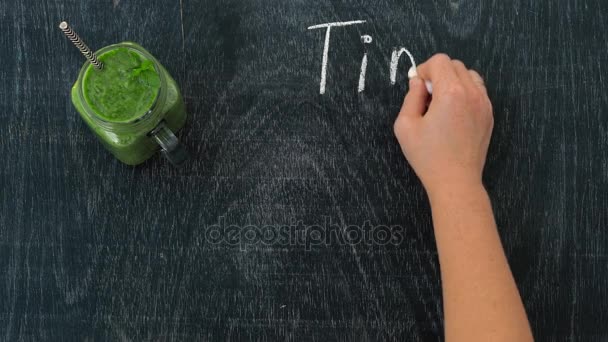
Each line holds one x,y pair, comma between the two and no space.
439,69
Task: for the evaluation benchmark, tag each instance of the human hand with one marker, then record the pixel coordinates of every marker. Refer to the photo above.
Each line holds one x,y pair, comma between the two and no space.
446,144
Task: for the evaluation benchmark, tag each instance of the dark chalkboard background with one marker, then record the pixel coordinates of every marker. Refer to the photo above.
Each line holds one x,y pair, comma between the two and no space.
93,250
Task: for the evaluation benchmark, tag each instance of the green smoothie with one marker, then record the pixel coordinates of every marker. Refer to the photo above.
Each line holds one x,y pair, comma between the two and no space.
125,89
131,96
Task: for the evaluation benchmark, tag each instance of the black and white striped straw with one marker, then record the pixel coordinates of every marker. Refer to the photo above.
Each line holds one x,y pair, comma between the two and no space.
67,30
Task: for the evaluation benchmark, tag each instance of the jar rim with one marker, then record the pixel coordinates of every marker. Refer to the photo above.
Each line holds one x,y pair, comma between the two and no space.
160,96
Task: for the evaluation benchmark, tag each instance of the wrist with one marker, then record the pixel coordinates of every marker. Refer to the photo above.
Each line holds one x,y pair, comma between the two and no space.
455,192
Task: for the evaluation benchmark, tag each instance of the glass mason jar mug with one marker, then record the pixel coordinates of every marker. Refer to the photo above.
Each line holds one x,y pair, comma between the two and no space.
133,104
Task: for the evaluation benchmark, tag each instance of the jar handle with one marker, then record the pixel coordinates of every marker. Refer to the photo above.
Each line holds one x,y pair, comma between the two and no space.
172,149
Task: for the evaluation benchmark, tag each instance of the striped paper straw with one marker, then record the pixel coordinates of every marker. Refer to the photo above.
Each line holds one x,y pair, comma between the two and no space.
84,49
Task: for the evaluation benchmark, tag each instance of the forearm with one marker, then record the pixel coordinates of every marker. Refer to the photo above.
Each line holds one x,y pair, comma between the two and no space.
481,300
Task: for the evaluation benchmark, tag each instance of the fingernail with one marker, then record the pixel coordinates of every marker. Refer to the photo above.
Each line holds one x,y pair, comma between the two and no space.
414,82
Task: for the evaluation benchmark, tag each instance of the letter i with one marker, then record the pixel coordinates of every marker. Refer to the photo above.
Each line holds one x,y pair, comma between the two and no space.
365,39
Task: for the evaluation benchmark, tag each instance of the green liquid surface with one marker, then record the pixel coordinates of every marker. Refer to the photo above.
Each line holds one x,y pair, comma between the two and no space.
126,87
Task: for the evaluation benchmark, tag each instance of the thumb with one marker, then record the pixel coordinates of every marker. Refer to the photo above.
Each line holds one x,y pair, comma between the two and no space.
414,104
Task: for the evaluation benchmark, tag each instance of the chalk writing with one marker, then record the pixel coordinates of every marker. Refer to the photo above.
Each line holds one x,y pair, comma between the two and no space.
395,63
365,39
328,27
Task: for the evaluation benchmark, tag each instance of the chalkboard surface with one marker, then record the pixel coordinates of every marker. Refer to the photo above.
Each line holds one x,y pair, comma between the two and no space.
232,246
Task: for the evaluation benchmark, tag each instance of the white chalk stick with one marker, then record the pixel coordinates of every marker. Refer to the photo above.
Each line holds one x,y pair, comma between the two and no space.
413,73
